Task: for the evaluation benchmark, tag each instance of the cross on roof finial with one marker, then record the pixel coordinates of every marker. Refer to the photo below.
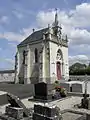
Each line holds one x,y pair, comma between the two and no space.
56,18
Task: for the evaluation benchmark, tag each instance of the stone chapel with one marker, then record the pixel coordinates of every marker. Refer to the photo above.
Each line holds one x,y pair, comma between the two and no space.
43,56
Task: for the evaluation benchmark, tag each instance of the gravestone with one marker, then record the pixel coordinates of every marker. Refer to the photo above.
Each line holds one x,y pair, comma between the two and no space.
14,112
38,109
78,87
42,91
16,102
66,85
45,110
48,113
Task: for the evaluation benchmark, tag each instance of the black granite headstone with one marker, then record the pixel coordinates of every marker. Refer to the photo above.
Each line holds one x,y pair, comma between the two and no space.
42,91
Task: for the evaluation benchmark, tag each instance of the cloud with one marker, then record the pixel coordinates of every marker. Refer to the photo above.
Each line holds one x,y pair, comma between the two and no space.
78,58
7,60
23,12
12,44
7,63
45,17
11,61
4,19
74,23
18,14
29,30
65,2
80,17
18,37
45,4
0,49
80,49
79,36
11,36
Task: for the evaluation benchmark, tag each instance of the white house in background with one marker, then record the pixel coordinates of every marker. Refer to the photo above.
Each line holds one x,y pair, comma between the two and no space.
43,56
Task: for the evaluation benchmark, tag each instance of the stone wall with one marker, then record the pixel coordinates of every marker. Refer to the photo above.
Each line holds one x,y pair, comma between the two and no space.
7,76
79,77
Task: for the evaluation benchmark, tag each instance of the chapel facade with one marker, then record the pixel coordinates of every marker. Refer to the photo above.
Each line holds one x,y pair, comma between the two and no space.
43,56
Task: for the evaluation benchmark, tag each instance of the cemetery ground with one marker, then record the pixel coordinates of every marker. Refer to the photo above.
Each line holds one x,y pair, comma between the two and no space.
64,103
25,92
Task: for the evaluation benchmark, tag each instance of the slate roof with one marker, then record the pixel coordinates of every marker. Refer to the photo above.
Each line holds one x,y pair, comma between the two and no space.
37,35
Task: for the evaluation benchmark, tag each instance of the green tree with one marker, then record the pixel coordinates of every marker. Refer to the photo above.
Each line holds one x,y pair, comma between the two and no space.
77,69
88,70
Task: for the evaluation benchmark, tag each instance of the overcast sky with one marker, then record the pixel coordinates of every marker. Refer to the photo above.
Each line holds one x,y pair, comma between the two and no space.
19,17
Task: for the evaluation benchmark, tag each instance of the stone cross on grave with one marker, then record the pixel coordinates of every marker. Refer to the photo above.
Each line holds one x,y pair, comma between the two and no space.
86,81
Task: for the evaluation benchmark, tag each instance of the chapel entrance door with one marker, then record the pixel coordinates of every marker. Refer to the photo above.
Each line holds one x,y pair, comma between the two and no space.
58,67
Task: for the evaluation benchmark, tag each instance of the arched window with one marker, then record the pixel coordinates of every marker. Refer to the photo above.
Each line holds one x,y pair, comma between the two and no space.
36,55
